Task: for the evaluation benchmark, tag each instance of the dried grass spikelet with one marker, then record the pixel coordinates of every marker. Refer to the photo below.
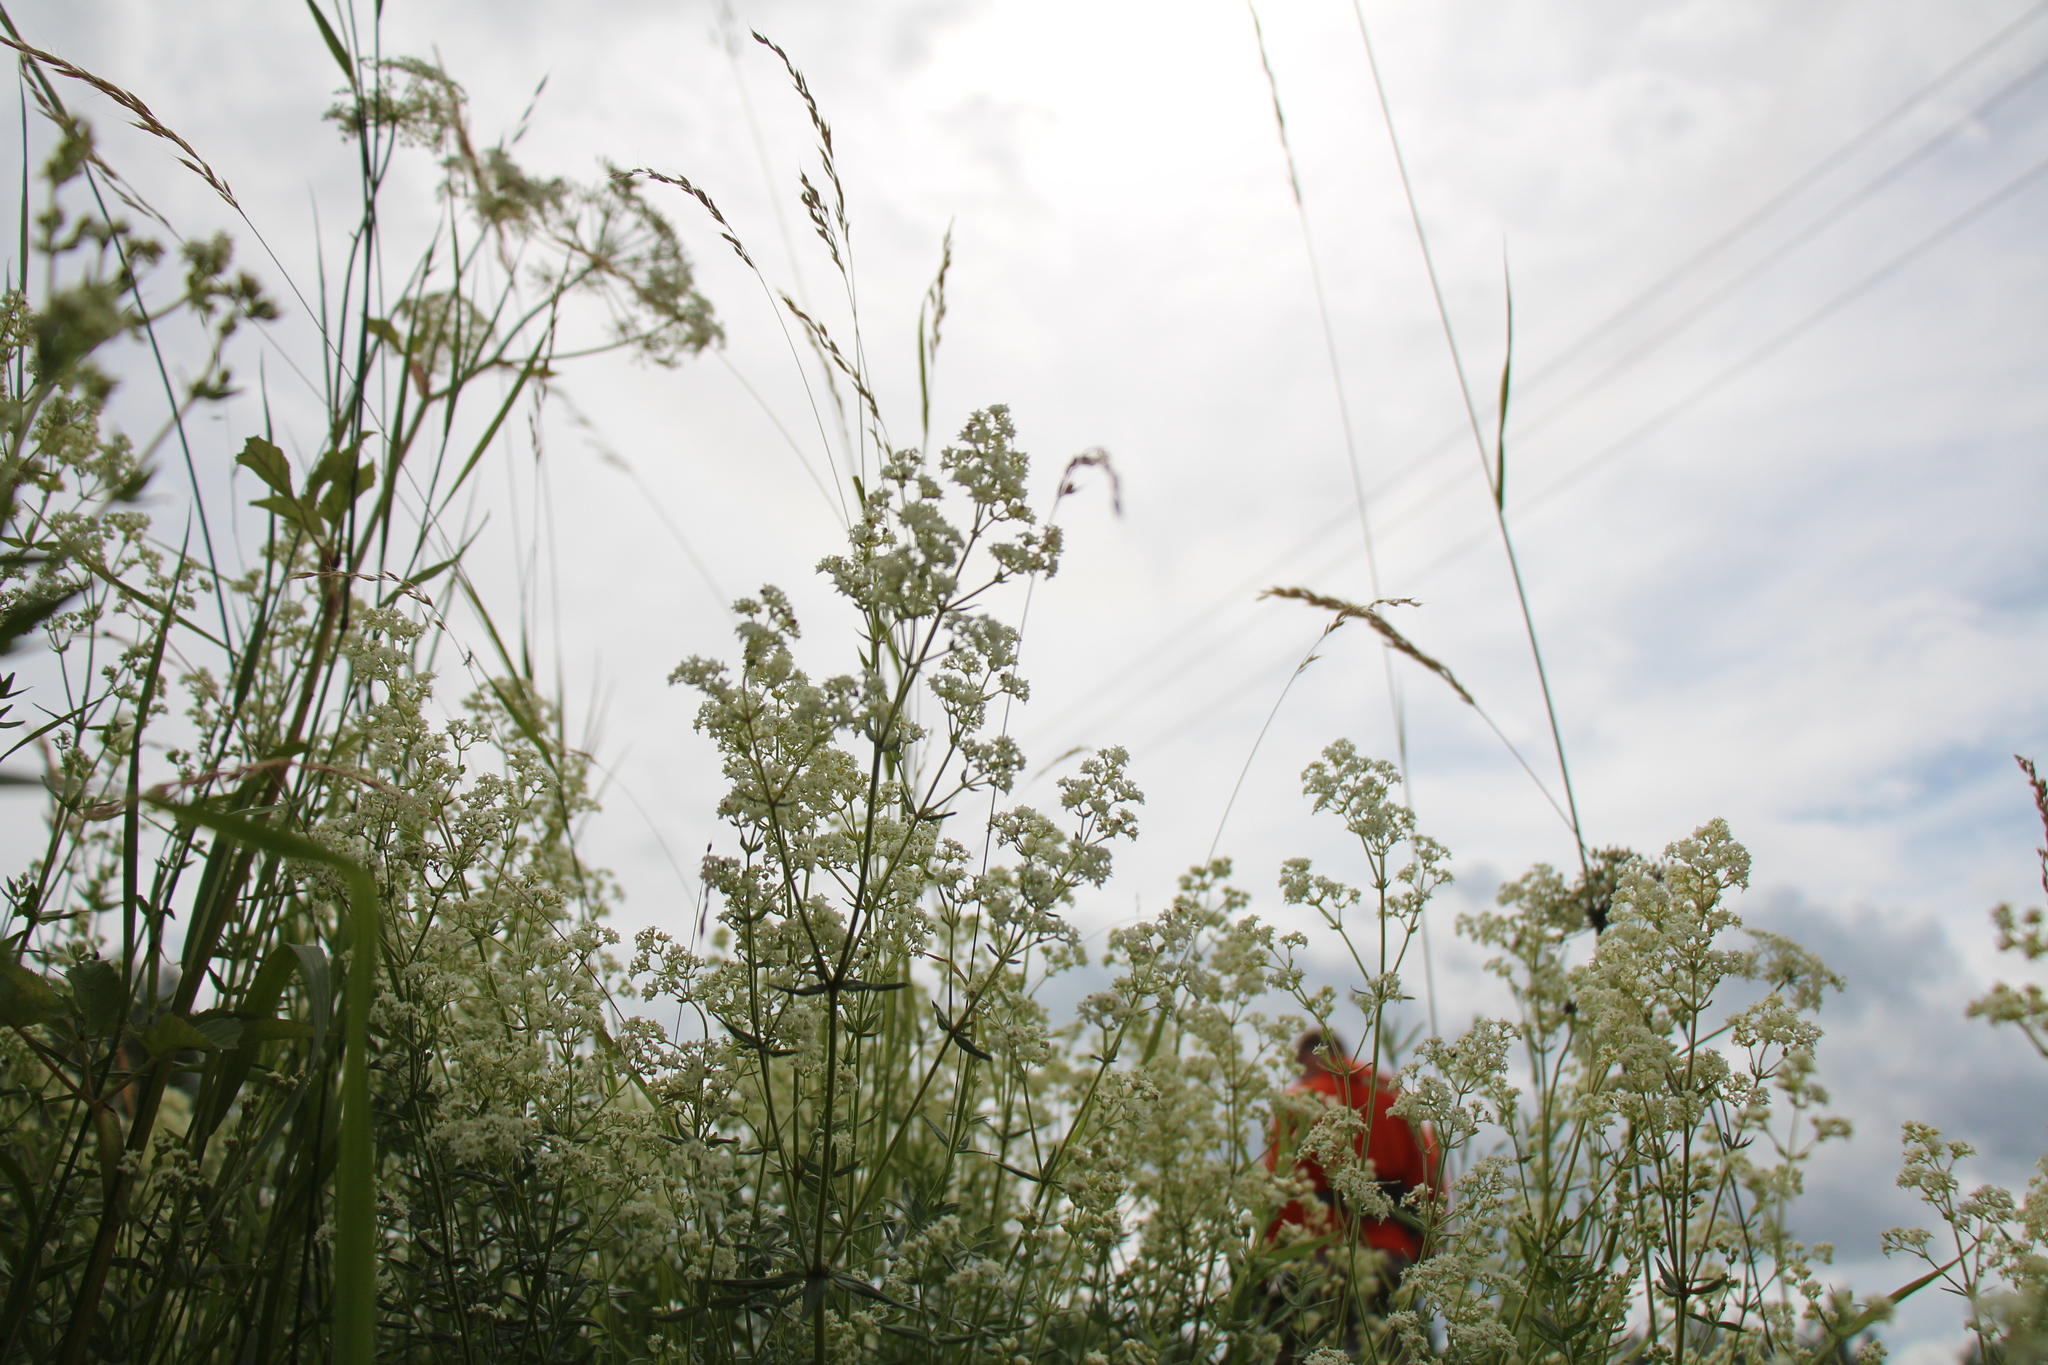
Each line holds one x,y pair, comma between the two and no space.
1351,611
144,119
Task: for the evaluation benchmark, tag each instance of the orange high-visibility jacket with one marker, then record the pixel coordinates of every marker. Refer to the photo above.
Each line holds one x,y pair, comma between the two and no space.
1400,1160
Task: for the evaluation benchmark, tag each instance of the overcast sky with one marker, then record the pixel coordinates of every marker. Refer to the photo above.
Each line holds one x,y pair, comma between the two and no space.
1775,453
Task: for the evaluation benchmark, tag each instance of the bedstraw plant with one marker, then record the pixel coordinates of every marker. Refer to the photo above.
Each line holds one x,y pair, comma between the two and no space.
314,1043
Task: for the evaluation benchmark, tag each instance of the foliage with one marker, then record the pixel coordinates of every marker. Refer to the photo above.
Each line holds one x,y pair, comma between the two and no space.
192,1132
316,1044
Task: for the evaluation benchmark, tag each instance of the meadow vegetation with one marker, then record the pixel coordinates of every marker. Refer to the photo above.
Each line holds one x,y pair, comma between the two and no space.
315,1043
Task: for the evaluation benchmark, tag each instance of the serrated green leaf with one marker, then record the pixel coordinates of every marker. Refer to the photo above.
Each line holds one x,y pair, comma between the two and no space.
101,994
268,463
342,493
292,510
33,607
175,1033
220,1028
334,467
26,998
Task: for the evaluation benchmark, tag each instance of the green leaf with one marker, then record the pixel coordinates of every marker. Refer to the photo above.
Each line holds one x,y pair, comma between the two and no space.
355,1175
1018,1171
342,493
107,1128
175,1033
319,988
30,610
1507,367
768,1284
24,1188
334,46
1293,1251
382,329
431,572
1872,1313
958,1033
220,1028
256,1012
292,510
26,998
334,467
101,994
268,464
862,1288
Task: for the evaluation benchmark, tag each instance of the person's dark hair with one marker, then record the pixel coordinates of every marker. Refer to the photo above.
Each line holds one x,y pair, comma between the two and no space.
1319,1045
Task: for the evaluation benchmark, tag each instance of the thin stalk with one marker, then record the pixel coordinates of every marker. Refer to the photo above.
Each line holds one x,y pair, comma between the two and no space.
1495,482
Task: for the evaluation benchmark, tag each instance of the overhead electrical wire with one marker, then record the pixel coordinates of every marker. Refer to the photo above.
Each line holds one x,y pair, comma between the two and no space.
1798,185
1423,458
1996,199
1692,397
1152,660
1642,348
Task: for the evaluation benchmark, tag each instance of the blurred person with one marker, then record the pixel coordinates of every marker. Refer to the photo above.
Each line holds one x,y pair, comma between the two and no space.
1402,1160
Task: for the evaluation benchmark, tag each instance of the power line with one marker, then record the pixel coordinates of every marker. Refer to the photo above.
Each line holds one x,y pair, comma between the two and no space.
1758,216
1748,362
1149,661
1672,411
1729,288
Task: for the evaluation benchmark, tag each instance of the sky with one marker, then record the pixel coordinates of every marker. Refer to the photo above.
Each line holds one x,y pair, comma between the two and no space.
1775,449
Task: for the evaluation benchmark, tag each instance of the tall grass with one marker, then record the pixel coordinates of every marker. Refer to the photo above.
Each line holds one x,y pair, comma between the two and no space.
197,1147
315,1045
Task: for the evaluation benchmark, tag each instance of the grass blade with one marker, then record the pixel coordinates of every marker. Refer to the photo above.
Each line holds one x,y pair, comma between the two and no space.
355,1181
